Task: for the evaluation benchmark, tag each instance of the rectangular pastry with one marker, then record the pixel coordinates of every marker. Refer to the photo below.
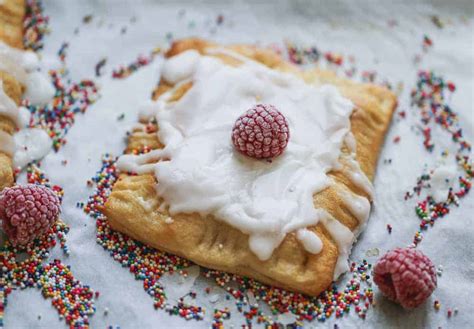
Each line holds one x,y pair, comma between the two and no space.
288,222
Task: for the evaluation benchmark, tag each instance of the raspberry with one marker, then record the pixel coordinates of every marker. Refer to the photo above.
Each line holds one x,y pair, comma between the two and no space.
261,132
405,276
27,212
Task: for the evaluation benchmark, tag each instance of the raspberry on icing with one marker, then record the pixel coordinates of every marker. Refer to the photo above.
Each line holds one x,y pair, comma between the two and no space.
262,132
27,211
406,276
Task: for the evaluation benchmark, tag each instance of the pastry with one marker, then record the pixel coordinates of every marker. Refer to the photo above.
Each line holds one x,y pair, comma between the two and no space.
18,77
11,22
289,222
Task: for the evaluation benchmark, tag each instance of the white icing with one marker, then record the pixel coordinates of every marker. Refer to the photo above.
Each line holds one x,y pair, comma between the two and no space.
17,62
141,164
24,66
358,177
310,240
351,142
199,171
138,127
146,111
24,117
180,67
31,144
8,107
358,205
442,179
9,63
38,89
344,239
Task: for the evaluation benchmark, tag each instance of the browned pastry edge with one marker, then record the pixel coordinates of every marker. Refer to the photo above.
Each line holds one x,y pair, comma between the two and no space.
12,13
132,207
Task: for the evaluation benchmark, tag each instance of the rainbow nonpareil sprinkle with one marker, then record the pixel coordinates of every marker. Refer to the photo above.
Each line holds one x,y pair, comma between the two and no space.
430,98
34,175
125,71
70,98
35,25
148,265
73,300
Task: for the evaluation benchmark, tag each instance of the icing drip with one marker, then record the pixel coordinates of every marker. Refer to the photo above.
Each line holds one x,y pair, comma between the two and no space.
38,89
31,144
310,241
199,171
358,177
139,164
8,107
24,66
351,142
344,239
28,144
358,205
181,67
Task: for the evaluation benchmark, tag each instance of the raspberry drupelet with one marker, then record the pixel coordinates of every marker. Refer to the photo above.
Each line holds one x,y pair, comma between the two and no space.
27,211
262,132
406,276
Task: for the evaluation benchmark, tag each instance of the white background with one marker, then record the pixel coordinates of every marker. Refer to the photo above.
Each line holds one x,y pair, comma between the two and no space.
351,28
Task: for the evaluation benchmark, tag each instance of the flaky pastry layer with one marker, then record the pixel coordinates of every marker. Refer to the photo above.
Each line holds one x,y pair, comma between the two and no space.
133,206
12,13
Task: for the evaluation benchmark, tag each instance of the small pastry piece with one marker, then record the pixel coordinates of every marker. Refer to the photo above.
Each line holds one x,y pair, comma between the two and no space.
289,223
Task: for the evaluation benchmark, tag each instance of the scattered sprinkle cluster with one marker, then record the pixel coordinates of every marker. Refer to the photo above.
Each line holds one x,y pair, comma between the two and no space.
72,300
345,65
357,293
429,97
300,56
125,71
219,316
35,25
186,310
70,98
148,265
34,175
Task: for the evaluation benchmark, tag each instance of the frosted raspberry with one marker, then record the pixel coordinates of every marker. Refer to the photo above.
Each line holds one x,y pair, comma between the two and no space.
27,211
405,276
261,132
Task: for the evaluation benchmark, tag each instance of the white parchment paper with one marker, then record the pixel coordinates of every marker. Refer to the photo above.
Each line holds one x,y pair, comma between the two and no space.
382,36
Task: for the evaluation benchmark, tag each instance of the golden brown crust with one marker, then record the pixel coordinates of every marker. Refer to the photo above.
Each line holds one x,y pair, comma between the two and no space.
11,22
12,13
133,206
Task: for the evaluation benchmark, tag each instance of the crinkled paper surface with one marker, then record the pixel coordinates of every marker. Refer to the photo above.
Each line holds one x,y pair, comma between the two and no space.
382,36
